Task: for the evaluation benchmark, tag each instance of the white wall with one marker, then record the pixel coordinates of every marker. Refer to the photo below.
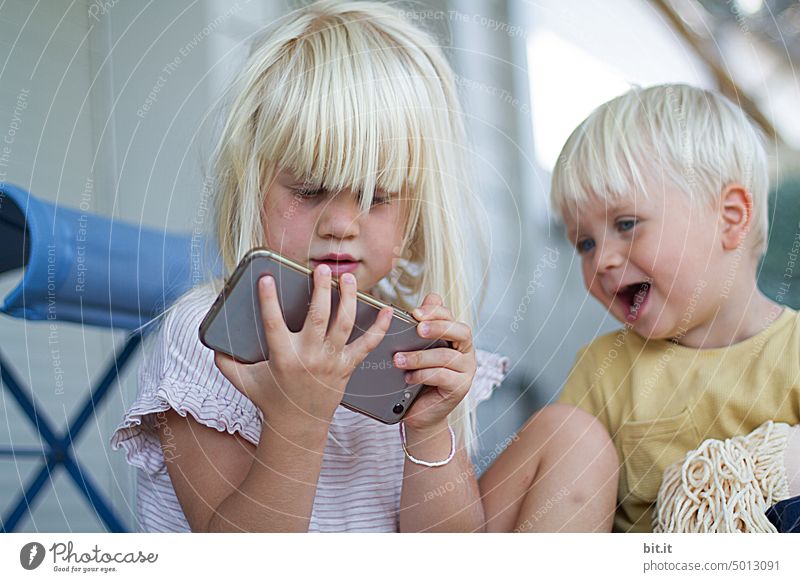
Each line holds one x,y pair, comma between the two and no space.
89,67
46,50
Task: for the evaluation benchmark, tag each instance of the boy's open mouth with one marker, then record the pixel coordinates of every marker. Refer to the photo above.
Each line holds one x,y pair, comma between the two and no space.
634,298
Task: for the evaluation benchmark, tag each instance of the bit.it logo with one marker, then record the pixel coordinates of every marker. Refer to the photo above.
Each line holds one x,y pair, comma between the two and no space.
31,555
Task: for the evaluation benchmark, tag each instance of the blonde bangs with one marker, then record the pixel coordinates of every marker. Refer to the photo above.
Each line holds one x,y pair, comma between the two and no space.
595,164
353,121
609,157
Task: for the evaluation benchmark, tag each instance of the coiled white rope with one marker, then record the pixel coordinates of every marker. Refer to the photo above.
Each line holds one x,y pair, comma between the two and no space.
725,486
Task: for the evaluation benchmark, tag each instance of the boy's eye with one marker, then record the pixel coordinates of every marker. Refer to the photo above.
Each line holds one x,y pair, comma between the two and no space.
626,224
585,245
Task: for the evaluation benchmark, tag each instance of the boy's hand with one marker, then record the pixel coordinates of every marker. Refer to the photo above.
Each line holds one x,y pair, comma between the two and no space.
447,373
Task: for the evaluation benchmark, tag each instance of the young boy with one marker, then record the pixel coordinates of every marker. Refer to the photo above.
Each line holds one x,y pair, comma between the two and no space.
663,191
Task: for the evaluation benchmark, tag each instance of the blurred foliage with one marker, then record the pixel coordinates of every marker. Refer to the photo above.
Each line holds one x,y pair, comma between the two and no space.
775,23
779,276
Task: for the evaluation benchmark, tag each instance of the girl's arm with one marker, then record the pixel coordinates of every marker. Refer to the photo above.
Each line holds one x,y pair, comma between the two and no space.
443,498
225,484
222,483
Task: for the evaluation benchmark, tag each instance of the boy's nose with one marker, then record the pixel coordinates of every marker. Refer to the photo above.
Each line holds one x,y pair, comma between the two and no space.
608,257
340,217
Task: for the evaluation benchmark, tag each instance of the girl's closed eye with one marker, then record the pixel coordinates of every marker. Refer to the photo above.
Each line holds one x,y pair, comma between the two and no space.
308,192
378,200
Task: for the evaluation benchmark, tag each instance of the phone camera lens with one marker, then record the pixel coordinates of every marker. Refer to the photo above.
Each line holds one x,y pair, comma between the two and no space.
398,408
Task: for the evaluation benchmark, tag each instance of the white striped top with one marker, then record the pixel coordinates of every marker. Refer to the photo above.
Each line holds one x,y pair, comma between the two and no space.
362,467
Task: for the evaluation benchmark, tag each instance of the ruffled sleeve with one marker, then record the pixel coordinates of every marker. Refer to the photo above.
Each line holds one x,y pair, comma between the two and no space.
492,368
178,372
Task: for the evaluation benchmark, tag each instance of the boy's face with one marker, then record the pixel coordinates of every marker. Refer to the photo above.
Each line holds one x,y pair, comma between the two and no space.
651,260
313,226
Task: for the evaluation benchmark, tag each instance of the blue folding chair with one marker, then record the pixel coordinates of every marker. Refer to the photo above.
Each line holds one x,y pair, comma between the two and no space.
83,268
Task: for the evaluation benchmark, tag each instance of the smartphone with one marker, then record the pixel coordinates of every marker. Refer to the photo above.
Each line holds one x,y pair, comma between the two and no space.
233,326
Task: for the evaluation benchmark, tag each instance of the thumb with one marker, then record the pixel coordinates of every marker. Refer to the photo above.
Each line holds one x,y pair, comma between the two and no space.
432,299
227,365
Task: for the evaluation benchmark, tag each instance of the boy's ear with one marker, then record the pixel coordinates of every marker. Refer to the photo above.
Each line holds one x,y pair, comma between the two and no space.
736,214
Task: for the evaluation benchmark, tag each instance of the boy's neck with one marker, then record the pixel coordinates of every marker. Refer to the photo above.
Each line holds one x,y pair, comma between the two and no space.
740,315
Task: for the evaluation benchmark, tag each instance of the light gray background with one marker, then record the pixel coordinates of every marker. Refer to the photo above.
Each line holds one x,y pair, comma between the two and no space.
89,67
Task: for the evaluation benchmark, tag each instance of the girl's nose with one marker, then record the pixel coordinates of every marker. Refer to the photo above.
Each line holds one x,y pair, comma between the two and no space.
340,216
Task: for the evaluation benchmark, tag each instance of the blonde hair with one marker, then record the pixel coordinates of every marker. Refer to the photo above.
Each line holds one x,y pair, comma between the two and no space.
694,138
351,95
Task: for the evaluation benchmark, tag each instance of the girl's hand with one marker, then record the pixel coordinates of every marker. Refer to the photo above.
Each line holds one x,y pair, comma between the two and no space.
447,373
308,371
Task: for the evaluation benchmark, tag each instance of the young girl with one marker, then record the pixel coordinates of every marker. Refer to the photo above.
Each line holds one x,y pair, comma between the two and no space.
342,150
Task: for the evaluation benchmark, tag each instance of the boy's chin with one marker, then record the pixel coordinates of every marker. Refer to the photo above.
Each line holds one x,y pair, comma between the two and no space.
643,328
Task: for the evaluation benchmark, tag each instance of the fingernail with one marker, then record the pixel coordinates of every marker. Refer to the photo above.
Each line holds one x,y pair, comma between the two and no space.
266,282
400,359
407,377
325,269
348,278
417,312
424,328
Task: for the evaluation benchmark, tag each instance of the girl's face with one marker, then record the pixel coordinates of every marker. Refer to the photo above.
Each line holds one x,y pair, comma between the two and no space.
314,226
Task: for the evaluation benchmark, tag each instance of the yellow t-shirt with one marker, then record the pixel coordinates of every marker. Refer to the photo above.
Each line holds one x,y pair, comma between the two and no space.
659,400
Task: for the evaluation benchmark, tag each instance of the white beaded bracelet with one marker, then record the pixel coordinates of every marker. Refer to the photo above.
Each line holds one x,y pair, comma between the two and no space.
429,463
